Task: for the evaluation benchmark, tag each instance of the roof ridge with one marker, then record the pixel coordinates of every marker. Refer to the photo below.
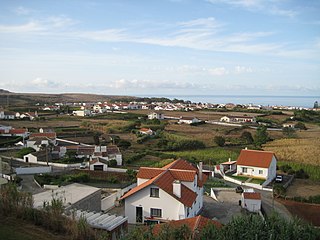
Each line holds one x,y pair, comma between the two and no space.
252,150
197,222
182,170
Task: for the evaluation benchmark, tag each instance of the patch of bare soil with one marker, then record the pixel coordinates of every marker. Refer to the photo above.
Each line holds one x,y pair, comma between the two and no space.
303,188
306,211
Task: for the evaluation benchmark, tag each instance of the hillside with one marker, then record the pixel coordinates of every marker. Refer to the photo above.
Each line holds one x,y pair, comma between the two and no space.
27,99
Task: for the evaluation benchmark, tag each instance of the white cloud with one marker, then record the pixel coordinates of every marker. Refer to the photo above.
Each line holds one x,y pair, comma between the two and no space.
269,7
43,83
28,27
242,69
22,10
219,71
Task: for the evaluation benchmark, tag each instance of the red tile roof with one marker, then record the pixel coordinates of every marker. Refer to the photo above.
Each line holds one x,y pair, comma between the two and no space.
195,224
147,173
252,195
255,158
164,177
47,134
17,131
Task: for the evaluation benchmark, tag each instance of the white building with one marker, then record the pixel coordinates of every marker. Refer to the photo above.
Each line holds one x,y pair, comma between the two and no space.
251,201
146,131
189,120
172,192
82,113
156,115
98,165
257,164
238,119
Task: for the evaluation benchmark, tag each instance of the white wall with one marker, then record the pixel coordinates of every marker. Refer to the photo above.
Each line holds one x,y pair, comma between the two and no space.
253,171
32,170
105,166
171,208
30,158
252,205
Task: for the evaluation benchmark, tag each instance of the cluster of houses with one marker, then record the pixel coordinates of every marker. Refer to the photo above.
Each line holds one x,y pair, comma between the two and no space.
9,115
48,147
175,191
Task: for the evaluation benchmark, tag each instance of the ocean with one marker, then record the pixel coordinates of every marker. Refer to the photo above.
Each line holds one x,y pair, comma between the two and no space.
294,101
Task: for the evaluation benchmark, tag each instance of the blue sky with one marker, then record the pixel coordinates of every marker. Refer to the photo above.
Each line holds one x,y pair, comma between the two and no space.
161,47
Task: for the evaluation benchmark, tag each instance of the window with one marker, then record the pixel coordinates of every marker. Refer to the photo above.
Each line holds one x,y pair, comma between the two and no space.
155,212
244,170
154,192
260,171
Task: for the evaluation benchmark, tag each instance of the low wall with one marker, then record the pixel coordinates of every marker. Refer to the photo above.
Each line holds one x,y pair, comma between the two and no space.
253,185
110,201
62,165
32,170
116,169
50,187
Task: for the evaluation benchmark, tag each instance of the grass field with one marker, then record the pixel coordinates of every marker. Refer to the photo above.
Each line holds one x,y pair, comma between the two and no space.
306,151
209,155
15,229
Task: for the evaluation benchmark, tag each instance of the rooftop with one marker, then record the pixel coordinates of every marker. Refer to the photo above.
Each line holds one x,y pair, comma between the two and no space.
69,194
255,158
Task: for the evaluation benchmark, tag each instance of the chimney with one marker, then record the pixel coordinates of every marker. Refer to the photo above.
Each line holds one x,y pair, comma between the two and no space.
246,148
200,171
229,159
177,188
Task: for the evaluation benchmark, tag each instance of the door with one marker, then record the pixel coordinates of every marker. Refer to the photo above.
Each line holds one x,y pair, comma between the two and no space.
98,167
139,214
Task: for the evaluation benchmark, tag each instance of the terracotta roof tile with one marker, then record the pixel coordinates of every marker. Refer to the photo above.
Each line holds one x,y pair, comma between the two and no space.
255,158
147,173
164,177
183,175
47,134
252,195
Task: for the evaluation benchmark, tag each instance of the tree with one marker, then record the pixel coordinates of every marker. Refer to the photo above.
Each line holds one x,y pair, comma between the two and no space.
96,139
288,132
261,136
301,126
219,140
247,137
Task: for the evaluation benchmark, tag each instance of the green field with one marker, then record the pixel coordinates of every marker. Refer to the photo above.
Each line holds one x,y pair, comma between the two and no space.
209,155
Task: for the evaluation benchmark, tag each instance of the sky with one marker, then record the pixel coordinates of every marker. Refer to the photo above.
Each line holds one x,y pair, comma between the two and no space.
161,47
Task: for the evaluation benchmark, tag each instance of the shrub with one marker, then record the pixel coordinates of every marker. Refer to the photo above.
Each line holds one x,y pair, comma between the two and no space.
219,140
24,151
301,174
247,137
112,163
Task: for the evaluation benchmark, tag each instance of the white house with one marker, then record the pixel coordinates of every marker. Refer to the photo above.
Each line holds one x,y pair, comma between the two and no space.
37,140
82,113
98,165
257,164
146,131
189,120
238,119
172,192
156,115
34,157
7,115
251,201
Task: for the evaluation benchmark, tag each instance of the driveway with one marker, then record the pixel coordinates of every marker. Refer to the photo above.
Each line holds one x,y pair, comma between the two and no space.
28,184
224,210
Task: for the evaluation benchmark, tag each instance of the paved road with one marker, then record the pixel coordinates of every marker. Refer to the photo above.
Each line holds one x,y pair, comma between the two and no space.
28,184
